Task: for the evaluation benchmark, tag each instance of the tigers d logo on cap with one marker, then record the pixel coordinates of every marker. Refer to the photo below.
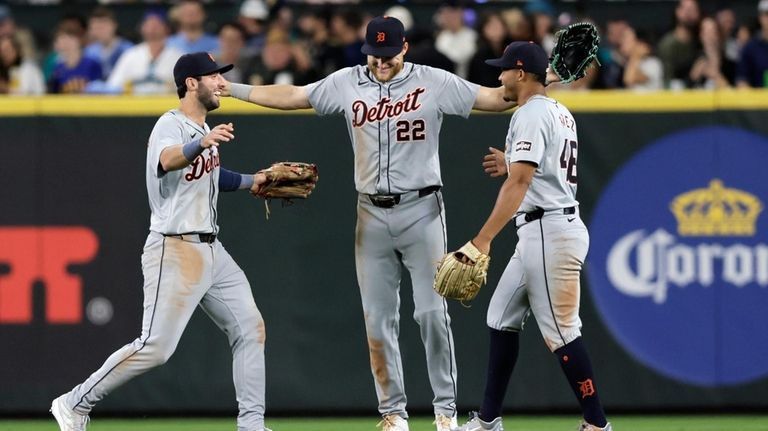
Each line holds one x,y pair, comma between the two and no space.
384,37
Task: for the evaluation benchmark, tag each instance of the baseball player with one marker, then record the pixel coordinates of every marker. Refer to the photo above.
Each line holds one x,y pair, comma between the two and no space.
542,277
394,110
184,263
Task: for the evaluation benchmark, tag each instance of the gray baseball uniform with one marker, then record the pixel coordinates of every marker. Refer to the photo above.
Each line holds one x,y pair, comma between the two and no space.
543,275
185,265
394,128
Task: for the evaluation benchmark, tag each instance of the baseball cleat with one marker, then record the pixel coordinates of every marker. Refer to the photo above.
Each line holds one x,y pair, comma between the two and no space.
393,423
445,423
588,427
67,418
477,424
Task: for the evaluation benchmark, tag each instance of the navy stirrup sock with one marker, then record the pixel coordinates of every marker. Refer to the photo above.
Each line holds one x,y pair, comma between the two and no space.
501,362
574,361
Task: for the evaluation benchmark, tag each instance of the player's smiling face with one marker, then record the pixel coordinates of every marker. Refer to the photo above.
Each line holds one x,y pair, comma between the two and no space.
510,78
209,91
386,68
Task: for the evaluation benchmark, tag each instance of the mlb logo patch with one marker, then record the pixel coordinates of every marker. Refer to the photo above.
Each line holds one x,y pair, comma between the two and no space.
523,146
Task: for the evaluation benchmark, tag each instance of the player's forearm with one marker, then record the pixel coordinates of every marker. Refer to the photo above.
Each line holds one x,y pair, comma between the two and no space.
492,99
272,96
510,196
173,158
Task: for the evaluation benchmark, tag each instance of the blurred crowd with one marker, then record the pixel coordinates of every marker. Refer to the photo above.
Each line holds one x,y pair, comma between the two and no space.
271,43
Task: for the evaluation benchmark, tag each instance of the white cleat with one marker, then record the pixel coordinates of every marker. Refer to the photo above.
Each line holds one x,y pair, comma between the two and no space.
477,424
67,418
445,423
588,427
393,423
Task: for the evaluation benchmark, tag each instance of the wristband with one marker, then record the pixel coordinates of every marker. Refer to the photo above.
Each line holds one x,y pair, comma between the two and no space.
193,149
240,91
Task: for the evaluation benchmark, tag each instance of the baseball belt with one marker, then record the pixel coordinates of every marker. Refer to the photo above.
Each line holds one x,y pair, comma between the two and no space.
390,200
538,213
194,237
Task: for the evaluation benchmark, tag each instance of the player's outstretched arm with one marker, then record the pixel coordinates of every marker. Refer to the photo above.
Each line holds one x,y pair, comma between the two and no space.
178,156
492,99
510,196
285,97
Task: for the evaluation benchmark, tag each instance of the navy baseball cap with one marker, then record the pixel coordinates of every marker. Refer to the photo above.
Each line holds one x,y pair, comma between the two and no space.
384,37
196,64
527,56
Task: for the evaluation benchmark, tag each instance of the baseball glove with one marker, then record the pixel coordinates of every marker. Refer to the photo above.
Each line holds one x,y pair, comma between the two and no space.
287,180
575,50
461,274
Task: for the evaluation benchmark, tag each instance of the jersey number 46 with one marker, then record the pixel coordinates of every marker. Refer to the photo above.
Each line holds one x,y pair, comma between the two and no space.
568,160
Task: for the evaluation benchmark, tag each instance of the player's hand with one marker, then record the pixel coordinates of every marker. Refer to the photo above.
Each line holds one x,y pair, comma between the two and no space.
219,134
551,77
259,179
482,244
494,163
226,88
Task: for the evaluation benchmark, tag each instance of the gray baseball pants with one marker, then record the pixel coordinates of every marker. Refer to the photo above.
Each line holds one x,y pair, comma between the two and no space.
179,275
411,235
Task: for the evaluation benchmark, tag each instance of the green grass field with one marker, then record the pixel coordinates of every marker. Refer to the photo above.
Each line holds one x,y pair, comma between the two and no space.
512,423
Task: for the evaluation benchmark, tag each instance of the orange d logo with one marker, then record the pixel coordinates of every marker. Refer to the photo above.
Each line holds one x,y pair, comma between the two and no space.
381,36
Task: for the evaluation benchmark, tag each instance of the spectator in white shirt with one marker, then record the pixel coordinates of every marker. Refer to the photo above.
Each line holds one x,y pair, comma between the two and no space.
455,40
147,68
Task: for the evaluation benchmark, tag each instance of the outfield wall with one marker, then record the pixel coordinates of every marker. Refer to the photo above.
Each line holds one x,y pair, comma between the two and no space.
675,322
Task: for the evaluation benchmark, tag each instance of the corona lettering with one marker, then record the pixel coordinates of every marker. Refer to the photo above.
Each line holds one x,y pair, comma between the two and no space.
660,261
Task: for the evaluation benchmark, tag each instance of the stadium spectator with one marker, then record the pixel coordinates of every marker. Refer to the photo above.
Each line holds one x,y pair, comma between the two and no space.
189,17
519,24
19,73
147,68
314,39
494,37
712,70
73,23
679,48
253,17
612,63
642,70
280,62
752,70
454,39
726,21
232,39
421,43
106,46
7,23
73,70
541,13
346,25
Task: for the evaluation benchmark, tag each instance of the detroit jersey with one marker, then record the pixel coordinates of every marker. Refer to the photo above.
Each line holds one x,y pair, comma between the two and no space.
182,201
543,132
394,126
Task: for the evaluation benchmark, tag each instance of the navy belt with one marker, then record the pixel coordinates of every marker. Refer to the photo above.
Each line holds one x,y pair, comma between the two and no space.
388,201
194,237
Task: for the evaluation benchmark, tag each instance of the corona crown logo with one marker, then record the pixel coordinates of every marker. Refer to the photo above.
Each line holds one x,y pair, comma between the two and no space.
716,211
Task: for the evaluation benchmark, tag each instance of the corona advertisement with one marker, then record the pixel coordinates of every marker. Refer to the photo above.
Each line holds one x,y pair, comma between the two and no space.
678,264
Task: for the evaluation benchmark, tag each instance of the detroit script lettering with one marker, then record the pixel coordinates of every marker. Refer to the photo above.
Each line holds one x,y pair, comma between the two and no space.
384,108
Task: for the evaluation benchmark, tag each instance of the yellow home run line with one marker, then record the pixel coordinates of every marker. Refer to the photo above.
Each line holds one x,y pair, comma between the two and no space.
577,101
